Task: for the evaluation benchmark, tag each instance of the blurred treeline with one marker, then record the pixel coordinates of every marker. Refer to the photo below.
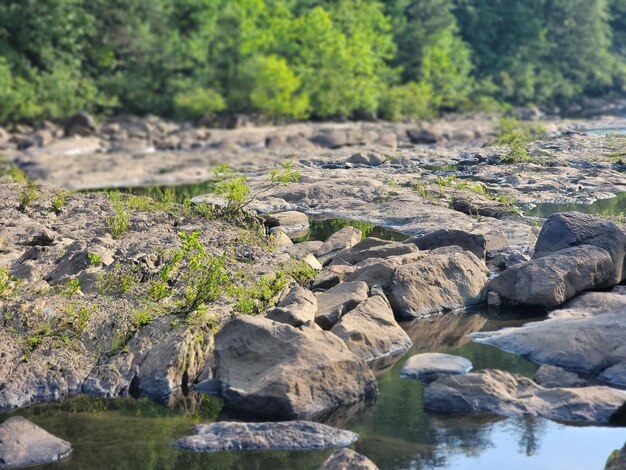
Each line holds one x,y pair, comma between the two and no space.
305,59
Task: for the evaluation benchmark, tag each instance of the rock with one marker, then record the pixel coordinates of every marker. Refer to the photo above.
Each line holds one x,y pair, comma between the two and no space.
330,277
494,300
430,366
298,307
421,136
81,124
578,337
475,243
367,158
331,138
313,262
617,460
286,436
553,377
346,459
338,241
291,222
571,229
358,253
280,239
338,300
371,332
374,271
530,113
502,393
505,260
23,444
301,250
43,238
277,371
437,283
551,280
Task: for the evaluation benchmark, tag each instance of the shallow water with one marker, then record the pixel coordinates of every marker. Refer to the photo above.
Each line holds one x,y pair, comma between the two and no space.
613,206
605,130
395,433
320,229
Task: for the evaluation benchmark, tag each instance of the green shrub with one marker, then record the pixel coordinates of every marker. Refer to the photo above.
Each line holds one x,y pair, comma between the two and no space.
119,223
198,103
28,196
59,200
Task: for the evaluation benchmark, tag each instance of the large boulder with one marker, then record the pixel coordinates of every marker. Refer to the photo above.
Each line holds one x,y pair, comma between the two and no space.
276,371
337,301
291,436
502,393
551,280
81,124
293,223
346,459
437,283
571,229
23,444
371,331
371,248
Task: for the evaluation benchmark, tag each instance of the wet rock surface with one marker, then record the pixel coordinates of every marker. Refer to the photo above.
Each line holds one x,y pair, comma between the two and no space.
507,394
24,444
287,436
430,366
346,459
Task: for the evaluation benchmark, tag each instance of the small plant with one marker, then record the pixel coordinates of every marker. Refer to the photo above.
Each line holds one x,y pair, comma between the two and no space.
300,271
512,131
94,259
71,288
518,154
119,222
117,281
7,284
141,317
255,299
57,205
158,290
14,174
28,196
120,342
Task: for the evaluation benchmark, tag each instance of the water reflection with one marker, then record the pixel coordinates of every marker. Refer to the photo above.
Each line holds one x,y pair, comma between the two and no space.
613,206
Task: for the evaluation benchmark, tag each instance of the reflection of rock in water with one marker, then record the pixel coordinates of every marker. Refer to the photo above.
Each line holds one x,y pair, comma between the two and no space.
196,404
446,331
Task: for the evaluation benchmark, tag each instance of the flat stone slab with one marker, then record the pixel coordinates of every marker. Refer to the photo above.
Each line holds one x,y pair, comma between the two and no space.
430,366
288,435
346,459
23,444
505,394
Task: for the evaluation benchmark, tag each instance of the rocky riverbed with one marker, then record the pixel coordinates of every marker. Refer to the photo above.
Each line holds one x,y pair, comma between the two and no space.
117,295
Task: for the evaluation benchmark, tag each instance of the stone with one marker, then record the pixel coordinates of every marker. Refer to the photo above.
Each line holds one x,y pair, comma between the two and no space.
330,276
301,250
552,279
571,229
23,444
273,370
43,238
81,124
502,393
578,337
338,300
505,260
280,240
285,436
312,262
367,158
430,366
474,243
346,459
290,221
437,283
421,136
298,307
553,377
362,252
371,332
338,241
375,271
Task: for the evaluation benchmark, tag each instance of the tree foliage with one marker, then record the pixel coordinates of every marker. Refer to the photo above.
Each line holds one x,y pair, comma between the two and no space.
299,59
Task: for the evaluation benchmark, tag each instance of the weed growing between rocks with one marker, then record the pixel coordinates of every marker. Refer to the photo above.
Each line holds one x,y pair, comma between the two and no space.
59,200
28,196
119,222
517,136
14,175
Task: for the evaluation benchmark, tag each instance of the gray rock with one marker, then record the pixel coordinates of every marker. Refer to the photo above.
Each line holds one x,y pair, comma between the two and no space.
367,158
338,241
346,459
23,444
330,276
298,307
371,331
506,394
551,280
437,283
338,300
364,251
375,271
81,124
301,250
277,371
287,436
476,243
291,222
507,259
280,239
421,136
431,366
570,229
553,377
